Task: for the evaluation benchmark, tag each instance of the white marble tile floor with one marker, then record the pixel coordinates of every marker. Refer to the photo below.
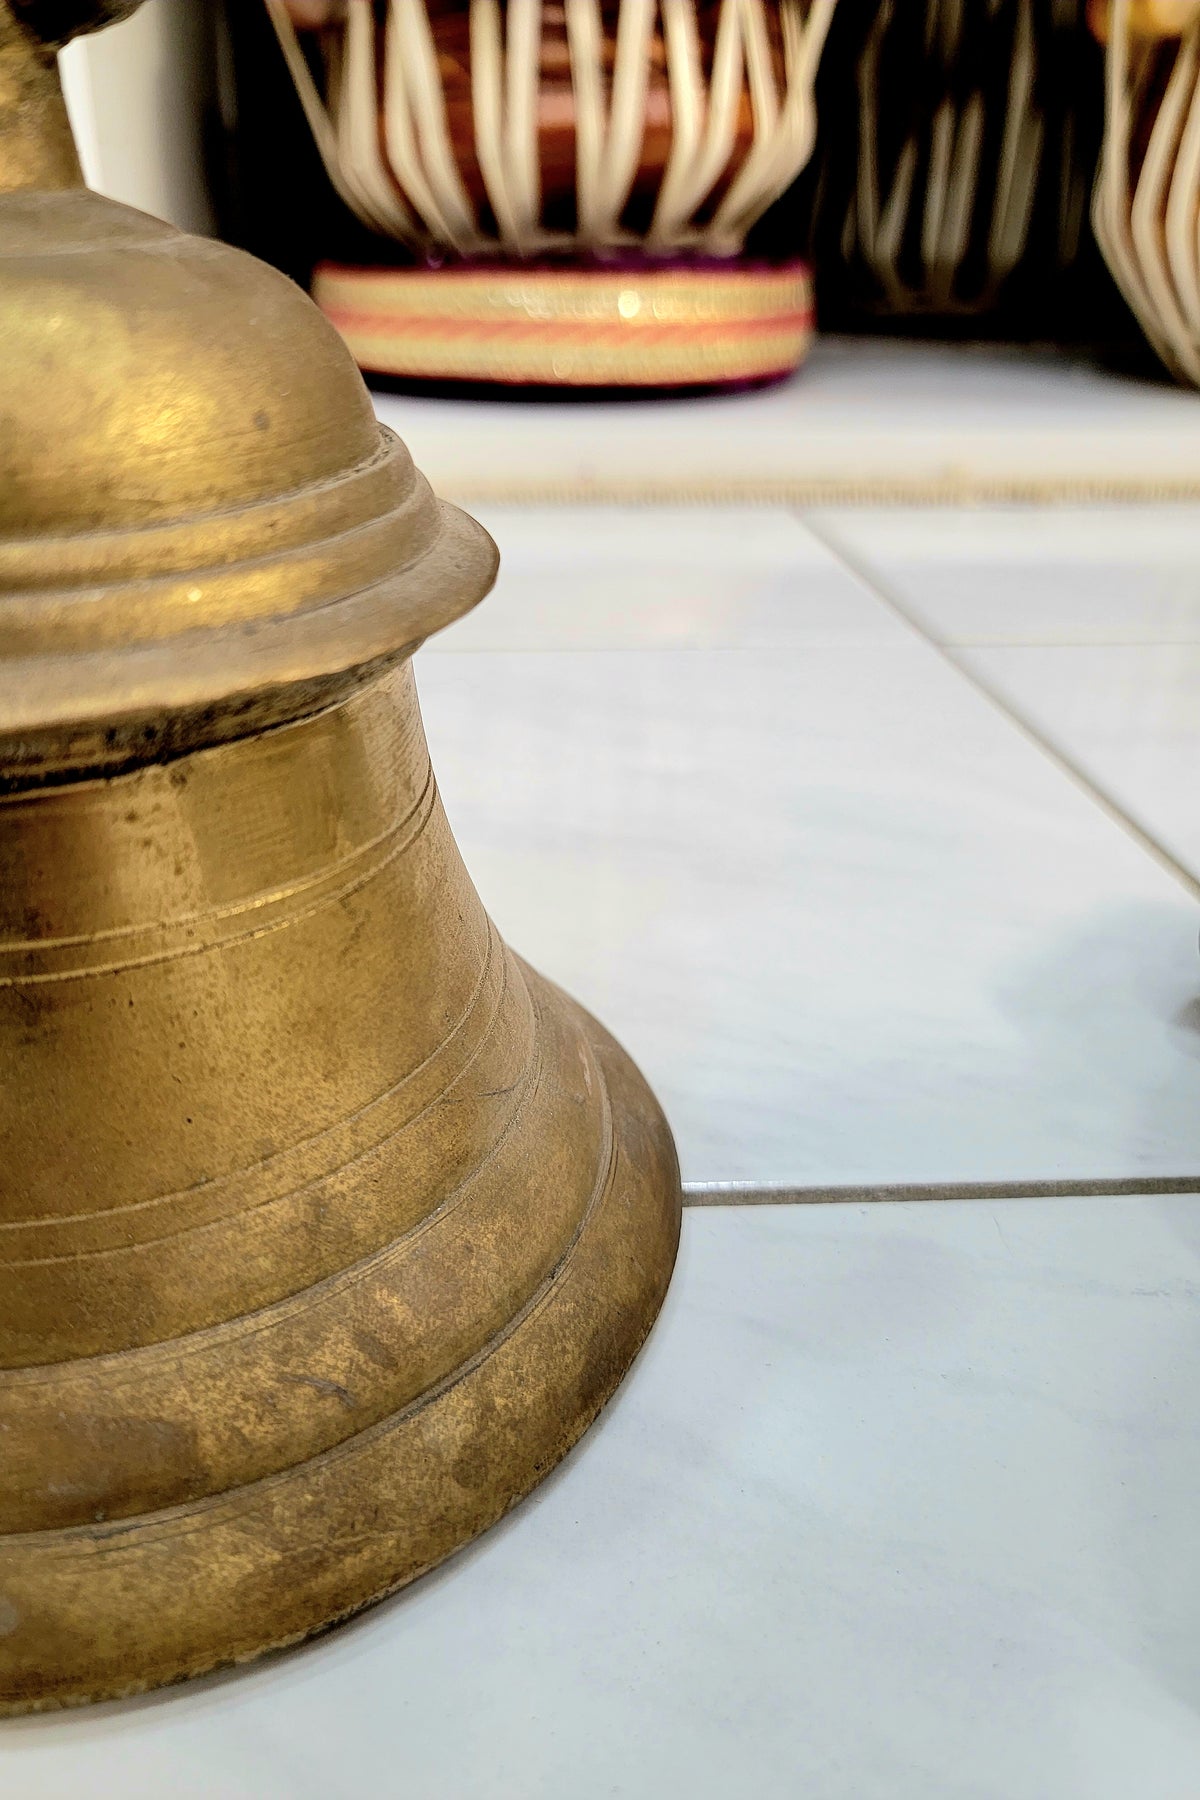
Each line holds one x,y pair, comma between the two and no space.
898,1504
1085,624
855,926
666,578
1127,716
990,576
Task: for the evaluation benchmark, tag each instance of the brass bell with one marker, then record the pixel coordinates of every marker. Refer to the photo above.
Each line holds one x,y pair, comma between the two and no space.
326,1225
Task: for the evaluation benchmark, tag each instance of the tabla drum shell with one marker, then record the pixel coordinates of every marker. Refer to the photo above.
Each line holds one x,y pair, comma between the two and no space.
575,182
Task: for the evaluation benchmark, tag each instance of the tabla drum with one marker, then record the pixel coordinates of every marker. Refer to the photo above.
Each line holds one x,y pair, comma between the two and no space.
571,183
958,149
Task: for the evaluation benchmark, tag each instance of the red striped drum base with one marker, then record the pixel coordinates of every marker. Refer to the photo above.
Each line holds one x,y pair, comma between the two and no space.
693,325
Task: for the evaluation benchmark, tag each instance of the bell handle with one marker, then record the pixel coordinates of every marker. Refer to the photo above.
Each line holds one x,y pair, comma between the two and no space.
37,150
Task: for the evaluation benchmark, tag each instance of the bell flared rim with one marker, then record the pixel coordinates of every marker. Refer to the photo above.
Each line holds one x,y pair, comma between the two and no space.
195,1588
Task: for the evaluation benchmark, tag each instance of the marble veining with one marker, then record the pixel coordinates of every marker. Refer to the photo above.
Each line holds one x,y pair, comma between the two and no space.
1032,575
1084,624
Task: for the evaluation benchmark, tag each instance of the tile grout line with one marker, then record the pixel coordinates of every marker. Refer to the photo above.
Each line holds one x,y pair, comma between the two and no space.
1084,782
749,1193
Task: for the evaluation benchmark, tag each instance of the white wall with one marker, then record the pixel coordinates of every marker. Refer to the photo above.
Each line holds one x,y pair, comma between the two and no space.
136,95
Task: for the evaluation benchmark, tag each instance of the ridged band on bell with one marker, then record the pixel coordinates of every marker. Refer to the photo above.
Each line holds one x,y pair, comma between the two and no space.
531,128
326,1225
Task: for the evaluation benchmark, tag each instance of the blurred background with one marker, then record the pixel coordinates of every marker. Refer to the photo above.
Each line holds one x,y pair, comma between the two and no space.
940,183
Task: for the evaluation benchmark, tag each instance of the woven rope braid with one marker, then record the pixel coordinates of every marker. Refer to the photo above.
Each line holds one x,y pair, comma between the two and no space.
409,186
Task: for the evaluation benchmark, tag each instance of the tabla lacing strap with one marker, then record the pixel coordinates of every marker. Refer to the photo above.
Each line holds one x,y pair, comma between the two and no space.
764,109
523,50
504,95
351,154
685,77
878,224
610,118
1020,154
803,41
585,45
784,133
1110,204
952,183
955,145
416,130
1149,199
943,133
356,119
961,193
400,138
627,113
487,111
1146,221
1162,175
721,111
1181,215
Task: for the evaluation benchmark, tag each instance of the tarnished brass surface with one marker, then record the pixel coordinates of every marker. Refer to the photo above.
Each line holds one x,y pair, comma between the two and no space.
326,1225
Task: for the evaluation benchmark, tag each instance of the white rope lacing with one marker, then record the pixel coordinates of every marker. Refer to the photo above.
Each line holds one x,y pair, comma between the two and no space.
949,145
1146,219
346,136
404,180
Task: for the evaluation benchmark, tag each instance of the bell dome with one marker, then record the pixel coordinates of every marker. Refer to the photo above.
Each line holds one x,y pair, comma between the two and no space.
203,527
128,399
